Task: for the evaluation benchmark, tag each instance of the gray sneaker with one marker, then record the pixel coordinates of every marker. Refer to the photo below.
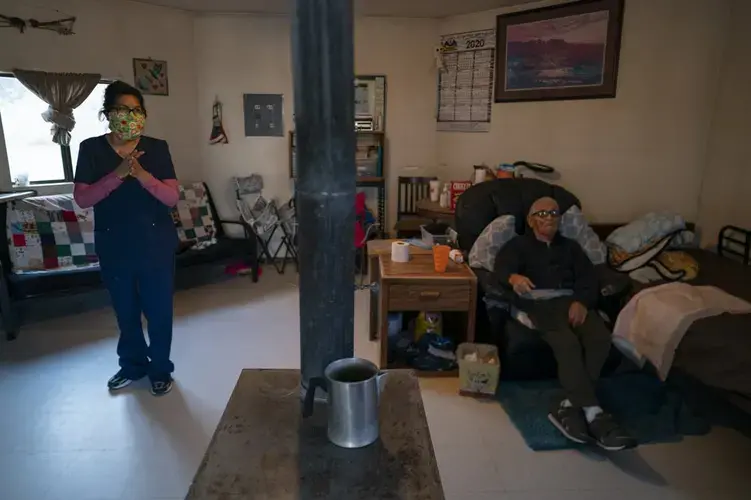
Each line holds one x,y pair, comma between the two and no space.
571,422
609,435
120,381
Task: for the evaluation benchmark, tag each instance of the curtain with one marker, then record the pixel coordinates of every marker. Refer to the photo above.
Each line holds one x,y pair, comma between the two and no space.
64,92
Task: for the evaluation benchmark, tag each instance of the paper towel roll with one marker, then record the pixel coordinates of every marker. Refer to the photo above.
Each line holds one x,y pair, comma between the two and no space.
400,251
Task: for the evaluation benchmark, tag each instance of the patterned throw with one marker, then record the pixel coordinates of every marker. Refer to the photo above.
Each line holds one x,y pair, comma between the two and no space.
642,249
575,226
50,233
192,216
496,234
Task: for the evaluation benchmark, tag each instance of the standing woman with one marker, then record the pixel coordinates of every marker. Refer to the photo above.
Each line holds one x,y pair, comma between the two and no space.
130,181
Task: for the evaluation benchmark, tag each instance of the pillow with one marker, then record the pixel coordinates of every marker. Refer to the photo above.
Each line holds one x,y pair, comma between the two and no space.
623,261
574,226
645,231
684,239
491,240
192,215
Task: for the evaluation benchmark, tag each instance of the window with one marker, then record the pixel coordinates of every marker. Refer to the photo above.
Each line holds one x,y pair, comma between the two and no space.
28,140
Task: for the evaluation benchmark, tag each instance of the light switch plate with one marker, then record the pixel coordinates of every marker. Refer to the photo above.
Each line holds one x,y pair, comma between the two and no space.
264,115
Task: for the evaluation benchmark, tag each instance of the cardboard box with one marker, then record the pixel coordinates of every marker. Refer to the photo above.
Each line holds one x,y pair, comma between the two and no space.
478,378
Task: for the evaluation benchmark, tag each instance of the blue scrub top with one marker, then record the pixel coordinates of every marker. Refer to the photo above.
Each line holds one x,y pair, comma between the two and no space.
130,223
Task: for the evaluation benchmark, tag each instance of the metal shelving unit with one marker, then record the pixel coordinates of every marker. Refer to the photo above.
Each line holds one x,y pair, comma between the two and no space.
373,177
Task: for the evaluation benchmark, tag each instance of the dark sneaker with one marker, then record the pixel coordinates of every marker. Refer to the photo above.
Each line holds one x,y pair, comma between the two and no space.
609,435
571,422
119,381
161,387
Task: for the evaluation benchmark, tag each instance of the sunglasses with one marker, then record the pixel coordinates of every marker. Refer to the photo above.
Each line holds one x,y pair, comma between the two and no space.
545,214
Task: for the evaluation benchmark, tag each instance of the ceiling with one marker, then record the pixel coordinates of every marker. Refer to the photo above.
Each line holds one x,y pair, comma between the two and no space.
388,8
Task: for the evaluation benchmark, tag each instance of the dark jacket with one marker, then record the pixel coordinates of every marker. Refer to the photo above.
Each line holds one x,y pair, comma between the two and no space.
560,265
130,223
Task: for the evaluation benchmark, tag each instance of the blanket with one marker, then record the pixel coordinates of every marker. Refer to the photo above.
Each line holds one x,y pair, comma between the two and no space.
654,321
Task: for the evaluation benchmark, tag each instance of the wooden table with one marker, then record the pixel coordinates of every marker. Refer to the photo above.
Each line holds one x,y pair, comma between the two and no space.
434,211
263,448
376,248
416,286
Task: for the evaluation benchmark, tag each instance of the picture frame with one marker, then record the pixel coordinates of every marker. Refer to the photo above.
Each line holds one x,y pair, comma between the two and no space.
568,51
150,76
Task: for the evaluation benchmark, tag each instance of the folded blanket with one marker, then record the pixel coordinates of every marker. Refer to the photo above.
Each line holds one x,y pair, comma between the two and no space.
655,320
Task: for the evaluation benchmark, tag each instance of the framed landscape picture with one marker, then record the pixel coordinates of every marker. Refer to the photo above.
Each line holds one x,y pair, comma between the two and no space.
565,51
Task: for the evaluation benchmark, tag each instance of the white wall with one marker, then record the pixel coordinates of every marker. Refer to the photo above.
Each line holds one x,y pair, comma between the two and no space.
726,194
109,34
644,150
236,55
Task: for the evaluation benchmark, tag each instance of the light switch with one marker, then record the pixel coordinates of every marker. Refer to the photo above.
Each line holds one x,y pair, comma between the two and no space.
263,115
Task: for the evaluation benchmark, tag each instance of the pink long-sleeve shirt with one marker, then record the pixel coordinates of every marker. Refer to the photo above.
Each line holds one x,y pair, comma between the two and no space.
88,195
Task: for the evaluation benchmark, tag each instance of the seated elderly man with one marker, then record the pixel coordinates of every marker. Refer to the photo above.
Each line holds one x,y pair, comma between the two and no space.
557,288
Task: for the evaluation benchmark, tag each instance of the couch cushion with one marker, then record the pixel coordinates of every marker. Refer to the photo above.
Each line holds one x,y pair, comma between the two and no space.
192,214
50,232
223,249
34,283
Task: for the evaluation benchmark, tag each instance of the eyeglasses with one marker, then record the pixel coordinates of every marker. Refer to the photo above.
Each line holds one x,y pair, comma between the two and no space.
545,214
126,109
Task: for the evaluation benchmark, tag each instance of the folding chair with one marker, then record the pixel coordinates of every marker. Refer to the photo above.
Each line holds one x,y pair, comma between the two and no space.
264,219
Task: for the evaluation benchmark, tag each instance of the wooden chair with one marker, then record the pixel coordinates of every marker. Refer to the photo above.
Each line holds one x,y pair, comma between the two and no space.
410,191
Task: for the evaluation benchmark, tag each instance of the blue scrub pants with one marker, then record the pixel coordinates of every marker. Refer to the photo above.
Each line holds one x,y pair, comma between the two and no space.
148,288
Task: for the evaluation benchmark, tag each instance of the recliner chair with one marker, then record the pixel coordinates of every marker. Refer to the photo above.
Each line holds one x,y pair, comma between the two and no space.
524,355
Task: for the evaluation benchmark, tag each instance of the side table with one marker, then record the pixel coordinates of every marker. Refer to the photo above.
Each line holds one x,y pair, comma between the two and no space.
416,286
376,248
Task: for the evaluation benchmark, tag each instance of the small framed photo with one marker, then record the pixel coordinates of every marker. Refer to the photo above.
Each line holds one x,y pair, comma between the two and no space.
150,76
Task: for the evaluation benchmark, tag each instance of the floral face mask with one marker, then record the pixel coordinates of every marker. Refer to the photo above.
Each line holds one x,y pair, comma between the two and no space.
127,124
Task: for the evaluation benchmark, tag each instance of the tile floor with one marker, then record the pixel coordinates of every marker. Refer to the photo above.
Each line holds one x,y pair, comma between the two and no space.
63,437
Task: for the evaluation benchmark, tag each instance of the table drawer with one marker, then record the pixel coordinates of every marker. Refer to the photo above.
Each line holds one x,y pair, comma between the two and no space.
444,297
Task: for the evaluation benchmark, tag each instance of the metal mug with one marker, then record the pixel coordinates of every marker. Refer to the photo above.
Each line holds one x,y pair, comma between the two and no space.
353,386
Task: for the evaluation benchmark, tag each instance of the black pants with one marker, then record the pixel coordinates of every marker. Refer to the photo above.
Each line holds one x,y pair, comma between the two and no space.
580,351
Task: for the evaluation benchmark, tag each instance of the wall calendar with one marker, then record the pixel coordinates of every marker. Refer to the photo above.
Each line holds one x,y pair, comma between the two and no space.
465,81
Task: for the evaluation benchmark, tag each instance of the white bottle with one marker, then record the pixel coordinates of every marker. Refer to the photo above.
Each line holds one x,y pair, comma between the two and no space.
444,201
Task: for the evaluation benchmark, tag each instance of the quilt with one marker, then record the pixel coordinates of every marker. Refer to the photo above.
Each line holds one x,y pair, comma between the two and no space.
50,232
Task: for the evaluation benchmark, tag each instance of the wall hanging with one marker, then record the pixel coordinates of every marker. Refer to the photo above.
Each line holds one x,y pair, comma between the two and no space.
218,135
565,51
62,26
150,76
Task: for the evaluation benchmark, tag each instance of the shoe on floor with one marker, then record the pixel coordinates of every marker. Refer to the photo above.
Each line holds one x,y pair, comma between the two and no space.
609,435
571,422
119,381
160,387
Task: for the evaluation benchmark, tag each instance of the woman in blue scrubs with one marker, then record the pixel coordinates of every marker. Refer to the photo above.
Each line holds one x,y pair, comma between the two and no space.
130,181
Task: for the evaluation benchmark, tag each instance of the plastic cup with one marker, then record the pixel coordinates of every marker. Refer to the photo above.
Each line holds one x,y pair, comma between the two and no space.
441,257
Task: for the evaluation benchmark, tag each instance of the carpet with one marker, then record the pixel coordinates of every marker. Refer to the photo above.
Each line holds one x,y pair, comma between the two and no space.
650,410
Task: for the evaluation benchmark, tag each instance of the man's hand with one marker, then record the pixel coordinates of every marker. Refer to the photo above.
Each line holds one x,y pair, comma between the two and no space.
577,313
521,284
136,169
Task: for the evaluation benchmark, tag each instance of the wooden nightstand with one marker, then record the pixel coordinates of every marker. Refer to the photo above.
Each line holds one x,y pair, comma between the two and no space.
415,286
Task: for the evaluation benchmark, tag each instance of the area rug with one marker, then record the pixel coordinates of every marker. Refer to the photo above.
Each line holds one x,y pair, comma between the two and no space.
650,410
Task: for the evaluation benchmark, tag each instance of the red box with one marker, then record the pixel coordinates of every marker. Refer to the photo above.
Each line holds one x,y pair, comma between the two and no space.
456,189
